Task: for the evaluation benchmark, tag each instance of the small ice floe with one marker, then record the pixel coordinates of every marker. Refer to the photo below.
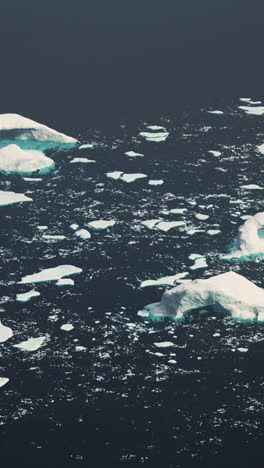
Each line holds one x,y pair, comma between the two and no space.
250,238
164,344
201,217
199,261
118,175
32,179
156,182
67,327
74,226
245,99
132,154
32,344
213,232
13,159
165,281
150,223
101,224
155,127
5,333
165,226
261,148
215,153
3,381
251,187
114,175
51,274
242,350
155,136
88,146
80,348
217,112
82,160
179,211
25,297
245,217
83,234
42,228
143,313
191,232
65,282
7,198
172,361
53,237
251,110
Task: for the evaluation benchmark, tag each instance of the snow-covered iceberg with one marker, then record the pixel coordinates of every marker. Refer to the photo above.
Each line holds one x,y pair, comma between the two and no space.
13,159
250,238
228,293
51,274
7,198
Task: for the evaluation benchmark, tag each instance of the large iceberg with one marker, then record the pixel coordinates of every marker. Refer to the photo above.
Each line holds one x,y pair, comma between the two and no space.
250,239
13,159
226,293
51,274
7,198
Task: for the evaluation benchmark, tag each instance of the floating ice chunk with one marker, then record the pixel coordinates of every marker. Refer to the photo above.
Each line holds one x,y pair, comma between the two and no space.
14,126
32,344
228,292
51,274
132,154
213,232
250,239
156,182
65,282
251,187
165,281
151,223
114,175
143,313
245,217
253,110
67,327
3,381
201,216
13,159
242,350
101,224
74,226
157,136
132,177
155,127
191,232
7,198
172,361
164,344
88,146
32,179
82,160
261,148
215,153
236,202
83,234
245,99
167,225
53,237
80,348
217,112
5,333
42,228
25,297
178,211
199,263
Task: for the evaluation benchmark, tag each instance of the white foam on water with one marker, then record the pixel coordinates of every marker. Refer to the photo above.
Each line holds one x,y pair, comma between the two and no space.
7,198
25,297
32,344
51,274
101,224
5,333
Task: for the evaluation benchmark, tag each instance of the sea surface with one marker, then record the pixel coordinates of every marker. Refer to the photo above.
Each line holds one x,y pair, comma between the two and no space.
105,393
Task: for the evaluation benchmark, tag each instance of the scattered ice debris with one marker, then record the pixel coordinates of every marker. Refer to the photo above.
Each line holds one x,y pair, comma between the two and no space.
165,281
7,198
251,110
179,211
199,261
32,344
14,126
164,344
132,154
5,333
83,234
13,159
82,160
53,237
101,224
215,153
65,282
213,232
88,146
67,327
250,238
51,274
25,297
217,112
156,182
167,225
3,381
228,292
74,227
201,216
251,187
42,228
155,136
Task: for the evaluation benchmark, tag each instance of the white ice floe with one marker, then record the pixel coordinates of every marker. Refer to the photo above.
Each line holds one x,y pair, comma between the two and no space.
191,232
155,127
32,344
261,148
14,126
156,182
226,293
251,110
114,175
3,381
201,216
250,238
132,177
53,237
82,160
13,159
215,153
101,224
25,297
179,211
5,333
164,344
65,282
83,234
88,146
7,198
74,226
245,99
132,154
51,274
199,262
165,281
251,187
167,225
213,232
42,228
217,112
32,179
67,327
155,136
151,223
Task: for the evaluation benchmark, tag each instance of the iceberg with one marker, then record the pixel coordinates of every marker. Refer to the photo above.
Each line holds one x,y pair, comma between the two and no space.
3,381
65,282
14,159
179,211
157,136
51,274
251,187
25,297
132,154
215,153
228,293
83,234
213,232
101,224
5,333
156,182
164,344
217,112
7,198
32,344
251,110
82,160
201,216
250,239
67,327
261,148
132,177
